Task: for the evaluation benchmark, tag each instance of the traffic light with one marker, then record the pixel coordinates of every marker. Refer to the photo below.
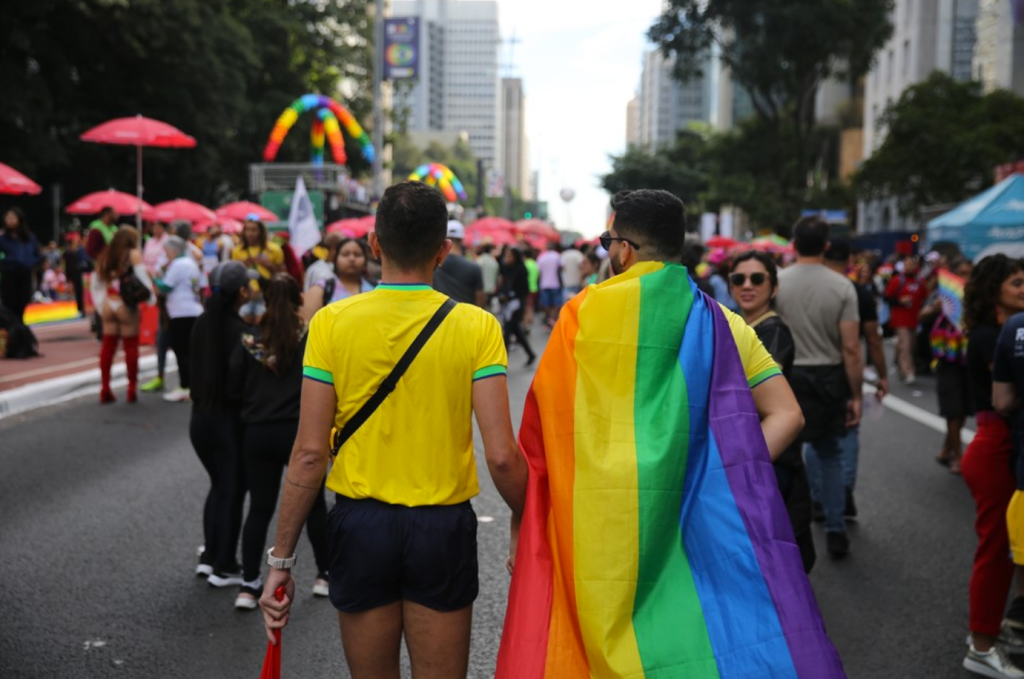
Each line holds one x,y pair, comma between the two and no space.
527,215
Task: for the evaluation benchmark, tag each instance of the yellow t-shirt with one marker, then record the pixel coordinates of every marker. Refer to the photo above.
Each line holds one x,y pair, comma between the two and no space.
274,254
758,364
417,448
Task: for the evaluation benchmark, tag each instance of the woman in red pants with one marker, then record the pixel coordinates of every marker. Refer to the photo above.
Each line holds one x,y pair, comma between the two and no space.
120,321
994,292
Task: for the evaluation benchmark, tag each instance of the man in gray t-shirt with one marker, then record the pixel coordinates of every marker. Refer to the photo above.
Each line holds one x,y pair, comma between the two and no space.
820,308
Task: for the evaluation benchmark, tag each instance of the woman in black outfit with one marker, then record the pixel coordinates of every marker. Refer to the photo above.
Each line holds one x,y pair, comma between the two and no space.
754,281
216,425
19,256
266,370
515,290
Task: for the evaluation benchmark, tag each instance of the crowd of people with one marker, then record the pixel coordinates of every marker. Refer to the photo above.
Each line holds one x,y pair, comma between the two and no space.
274,350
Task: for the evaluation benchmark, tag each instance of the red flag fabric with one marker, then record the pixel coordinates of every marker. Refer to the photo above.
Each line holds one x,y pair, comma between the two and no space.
272,660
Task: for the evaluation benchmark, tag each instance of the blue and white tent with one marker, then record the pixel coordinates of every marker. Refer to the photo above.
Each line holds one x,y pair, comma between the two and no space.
992,218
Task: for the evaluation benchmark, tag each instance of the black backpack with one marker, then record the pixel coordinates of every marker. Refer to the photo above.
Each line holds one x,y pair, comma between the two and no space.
17,339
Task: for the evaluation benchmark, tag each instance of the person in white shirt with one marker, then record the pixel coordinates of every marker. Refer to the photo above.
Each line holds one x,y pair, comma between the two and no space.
550,264
182,285
572,276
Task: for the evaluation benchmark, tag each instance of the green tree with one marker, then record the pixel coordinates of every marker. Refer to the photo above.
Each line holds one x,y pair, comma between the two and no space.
943,138
779,53
680,169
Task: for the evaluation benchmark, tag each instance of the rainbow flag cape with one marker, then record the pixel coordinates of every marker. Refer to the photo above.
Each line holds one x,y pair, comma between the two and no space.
951,296
655,543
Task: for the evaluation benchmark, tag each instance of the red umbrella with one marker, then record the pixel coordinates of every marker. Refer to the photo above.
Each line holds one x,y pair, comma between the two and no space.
538,227
243,208
493,224
181,209
227,225
122,203
476,236
722,242
139,132
14,183
349,227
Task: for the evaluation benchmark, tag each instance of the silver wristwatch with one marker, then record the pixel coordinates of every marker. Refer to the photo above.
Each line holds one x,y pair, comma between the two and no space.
279,563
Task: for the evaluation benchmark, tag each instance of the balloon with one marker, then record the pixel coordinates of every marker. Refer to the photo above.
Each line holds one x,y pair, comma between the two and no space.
567,194
325,126
438,175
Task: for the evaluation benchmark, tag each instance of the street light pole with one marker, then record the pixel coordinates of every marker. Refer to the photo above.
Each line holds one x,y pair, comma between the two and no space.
378,104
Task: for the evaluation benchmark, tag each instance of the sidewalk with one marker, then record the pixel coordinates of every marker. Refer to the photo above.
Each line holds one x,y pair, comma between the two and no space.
67,368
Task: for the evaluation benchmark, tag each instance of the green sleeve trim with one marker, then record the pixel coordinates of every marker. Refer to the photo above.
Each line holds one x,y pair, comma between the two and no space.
317,374
489,371
762,376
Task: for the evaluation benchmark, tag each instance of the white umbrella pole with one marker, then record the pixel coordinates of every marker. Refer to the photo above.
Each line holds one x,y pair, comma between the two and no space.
138,187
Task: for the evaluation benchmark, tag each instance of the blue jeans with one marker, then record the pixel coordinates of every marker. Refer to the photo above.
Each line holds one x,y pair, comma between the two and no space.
825,470
850,444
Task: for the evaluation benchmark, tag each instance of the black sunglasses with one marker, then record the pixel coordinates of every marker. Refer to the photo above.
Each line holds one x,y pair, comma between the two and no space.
607,239
756,279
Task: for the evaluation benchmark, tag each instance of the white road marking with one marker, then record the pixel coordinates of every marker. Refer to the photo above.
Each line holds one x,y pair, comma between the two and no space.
919,415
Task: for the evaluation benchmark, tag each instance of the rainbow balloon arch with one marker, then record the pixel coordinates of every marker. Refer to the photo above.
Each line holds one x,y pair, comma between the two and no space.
329,116
441,177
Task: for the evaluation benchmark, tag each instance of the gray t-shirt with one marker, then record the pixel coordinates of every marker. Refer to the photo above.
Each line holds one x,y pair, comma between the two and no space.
459,278
813,300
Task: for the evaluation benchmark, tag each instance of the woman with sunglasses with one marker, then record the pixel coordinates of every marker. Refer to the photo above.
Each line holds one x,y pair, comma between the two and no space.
753,282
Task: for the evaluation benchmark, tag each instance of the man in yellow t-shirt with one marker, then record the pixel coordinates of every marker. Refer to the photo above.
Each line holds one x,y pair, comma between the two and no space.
260,255
402,536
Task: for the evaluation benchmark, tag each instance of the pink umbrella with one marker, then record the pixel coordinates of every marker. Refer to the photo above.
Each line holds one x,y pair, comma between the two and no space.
347,227
14,183
139,132
722,242
243,208
122,203
493,224
181,209
477,236
538,227
227,225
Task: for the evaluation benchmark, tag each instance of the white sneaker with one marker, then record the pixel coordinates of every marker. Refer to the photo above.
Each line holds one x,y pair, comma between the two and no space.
204,570
321,587
995,663
178,395
248,596
225,579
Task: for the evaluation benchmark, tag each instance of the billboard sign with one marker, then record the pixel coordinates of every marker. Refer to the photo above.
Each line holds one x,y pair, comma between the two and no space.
401,48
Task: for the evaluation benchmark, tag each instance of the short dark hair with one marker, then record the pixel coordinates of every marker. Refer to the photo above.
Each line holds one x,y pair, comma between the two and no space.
766,261
107,210
839,250
654,218
810,236
412,223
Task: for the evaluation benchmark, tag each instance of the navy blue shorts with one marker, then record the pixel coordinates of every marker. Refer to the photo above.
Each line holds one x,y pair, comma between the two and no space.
550,298
381,553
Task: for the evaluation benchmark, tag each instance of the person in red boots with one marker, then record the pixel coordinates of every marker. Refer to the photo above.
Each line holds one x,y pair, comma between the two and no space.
906,295
118,265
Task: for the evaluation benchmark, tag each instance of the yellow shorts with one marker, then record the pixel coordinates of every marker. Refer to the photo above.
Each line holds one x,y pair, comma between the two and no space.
1015,525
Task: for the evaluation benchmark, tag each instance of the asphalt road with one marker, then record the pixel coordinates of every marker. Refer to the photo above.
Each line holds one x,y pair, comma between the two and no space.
100,520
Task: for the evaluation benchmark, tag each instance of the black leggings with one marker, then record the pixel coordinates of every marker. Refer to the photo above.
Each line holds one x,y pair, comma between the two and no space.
181,335
266,448
217,439
514,326
16,291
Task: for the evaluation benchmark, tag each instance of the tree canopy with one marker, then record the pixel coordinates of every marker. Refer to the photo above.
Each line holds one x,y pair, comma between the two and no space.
221,70
943,139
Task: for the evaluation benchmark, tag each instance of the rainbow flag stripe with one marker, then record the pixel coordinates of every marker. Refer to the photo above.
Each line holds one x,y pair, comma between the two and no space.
951,295
654,543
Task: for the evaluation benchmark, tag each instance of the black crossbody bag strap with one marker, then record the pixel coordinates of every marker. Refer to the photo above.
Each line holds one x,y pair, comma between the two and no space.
391,381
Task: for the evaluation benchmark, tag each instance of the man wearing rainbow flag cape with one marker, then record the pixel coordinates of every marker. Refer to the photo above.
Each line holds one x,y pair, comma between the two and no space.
654,541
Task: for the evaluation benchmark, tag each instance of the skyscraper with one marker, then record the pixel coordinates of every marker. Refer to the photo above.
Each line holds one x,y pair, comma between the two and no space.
514,143
928,35
665,106
459,88
999,57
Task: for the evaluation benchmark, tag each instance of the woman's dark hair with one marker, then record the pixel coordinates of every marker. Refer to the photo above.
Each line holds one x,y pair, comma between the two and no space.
981,294
21,231
517,257
362,246
279,327
220,307
263,235
765,259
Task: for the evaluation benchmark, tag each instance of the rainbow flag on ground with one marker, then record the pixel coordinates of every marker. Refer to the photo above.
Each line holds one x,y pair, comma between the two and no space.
951,296
655,542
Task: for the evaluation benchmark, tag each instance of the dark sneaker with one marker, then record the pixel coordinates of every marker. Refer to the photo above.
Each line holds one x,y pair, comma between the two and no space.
851,507
838,544
817,512
1015,616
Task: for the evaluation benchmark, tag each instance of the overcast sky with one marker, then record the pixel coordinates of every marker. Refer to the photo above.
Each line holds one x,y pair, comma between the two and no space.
580,63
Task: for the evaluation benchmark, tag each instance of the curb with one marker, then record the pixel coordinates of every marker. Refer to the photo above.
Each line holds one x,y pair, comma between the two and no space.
68,387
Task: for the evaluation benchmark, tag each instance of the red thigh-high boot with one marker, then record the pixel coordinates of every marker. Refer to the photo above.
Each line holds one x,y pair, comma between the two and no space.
131,361
107,351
